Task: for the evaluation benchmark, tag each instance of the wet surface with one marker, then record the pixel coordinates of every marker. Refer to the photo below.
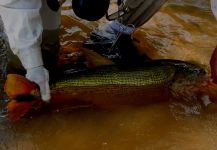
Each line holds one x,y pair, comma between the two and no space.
150,127
181,30
184,30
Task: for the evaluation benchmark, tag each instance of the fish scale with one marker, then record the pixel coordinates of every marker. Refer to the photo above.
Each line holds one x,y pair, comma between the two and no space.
146,76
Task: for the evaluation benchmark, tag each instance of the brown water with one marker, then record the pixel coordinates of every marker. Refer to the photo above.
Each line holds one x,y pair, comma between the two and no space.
184,30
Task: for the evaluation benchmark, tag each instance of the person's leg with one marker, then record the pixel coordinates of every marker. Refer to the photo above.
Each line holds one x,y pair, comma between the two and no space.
23,35
50,38
12,63
50,43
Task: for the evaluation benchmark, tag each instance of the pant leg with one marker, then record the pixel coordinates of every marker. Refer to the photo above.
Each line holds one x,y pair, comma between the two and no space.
49,45
50,50
50,39
140,11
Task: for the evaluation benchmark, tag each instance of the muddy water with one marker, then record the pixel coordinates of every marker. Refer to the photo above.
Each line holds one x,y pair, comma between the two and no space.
149,127
183,29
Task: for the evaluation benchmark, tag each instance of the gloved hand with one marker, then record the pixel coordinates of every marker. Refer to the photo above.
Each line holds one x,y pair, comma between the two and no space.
111,29
40,76
104,38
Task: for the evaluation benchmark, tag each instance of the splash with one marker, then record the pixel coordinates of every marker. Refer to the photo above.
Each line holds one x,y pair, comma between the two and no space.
193,97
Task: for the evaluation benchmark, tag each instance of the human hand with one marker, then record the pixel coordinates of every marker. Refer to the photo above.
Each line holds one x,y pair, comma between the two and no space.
213,65
40,76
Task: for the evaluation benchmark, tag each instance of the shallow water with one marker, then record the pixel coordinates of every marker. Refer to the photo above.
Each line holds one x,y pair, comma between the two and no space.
183,29
149,127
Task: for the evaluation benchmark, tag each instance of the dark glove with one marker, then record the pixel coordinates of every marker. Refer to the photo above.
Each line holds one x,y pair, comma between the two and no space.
53,4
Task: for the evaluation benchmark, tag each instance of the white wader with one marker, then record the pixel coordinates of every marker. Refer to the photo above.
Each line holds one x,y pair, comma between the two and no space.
32,28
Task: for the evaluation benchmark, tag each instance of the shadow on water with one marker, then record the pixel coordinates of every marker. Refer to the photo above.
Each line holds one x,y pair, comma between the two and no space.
183,30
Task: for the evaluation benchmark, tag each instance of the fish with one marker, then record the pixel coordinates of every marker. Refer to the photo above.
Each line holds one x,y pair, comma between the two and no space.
103,87
112,85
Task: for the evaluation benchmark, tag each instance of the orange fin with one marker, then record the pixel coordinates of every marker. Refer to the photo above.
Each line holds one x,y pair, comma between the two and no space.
16,110
18,85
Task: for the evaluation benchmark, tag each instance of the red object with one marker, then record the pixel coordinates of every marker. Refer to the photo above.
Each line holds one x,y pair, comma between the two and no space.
213,65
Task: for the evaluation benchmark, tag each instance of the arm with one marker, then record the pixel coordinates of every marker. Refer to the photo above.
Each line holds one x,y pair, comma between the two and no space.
24,30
